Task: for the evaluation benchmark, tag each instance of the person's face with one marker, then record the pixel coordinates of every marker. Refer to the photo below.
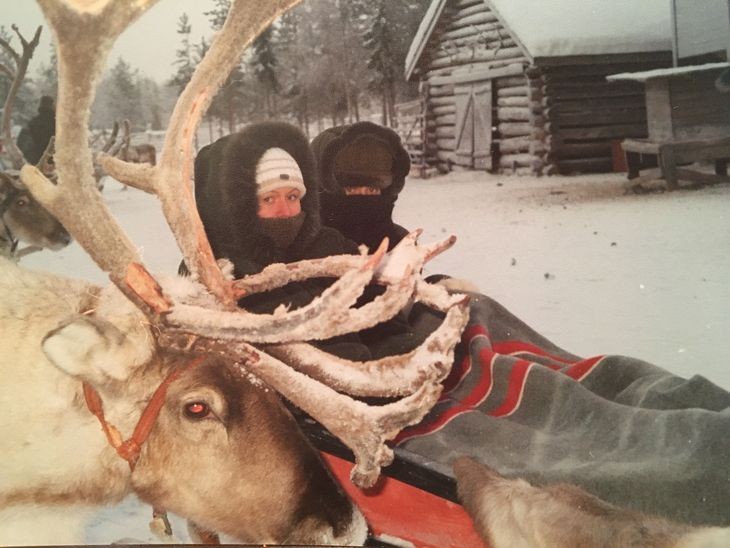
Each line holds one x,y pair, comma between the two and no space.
280,203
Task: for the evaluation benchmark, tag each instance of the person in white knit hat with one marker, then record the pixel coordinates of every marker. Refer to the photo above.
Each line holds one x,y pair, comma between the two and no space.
280,185
256,192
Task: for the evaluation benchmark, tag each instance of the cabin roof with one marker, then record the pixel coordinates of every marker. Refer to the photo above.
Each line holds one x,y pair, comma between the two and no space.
558,28
666,72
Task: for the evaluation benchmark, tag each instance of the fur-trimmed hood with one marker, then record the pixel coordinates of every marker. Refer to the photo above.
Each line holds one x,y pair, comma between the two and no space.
328,144
225,192
365,219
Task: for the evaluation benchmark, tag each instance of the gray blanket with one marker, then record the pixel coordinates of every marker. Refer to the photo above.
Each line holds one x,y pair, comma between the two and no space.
625,430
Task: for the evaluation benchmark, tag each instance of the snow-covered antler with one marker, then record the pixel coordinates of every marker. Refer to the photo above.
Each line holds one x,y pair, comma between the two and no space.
205,317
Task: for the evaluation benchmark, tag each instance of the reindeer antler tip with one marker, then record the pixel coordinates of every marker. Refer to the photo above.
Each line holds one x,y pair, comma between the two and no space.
377,256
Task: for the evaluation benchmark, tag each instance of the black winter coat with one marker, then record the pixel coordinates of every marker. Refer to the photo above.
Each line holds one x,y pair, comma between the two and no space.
34,138
367,219
225,193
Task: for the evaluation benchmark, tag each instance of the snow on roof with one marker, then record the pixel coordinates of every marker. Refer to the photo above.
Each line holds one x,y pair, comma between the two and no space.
552,28
659,73
555,28
423,34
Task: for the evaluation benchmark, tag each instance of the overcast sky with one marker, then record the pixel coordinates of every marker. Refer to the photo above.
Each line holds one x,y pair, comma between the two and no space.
148,45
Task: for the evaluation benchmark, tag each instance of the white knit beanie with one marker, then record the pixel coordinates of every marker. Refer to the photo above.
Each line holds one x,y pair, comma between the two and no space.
277,169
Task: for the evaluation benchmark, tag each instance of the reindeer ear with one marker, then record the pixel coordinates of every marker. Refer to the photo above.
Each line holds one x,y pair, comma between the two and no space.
94,350
471,478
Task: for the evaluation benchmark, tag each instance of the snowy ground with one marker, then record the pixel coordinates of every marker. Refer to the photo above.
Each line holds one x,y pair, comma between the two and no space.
594,269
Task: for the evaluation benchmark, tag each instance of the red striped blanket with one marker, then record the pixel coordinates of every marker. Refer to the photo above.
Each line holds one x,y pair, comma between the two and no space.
626,430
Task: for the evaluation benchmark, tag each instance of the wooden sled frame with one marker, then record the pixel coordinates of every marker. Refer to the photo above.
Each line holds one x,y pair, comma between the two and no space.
411,504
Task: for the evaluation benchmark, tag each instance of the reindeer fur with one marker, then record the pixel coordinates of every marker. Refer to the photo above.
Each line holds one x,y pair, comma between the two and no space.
26,219
245,471
511,513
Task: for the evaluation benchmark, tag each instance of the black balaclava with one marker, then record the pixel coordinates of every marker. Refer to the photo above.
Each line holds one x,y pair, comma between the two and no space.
368,157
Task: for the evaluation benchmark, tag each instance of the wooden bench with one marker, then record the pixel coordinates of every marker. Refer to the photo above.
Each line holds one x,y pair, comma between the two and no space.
671,154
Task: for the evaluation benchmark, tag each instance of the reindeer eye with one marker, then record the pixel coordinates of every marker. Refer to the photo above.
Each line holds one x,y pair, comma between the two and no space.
21,202
196,410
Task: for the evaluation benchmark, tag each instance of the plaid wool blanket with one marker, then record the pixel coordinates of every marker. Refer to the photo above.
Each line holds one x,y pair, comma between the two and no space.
623,429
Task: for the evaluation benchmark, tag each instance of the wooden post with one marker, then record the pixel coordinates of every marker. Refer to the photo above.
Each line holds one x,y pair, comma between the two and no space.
668,164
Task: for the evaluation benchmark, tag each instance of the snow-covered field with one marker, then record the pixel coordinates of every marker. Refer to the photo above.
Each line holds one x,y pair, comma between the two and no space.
594,269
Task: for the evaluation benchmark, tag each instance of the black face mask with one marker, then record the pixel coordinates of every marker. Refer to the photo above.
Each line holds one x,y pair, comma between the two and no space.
282,230
353,211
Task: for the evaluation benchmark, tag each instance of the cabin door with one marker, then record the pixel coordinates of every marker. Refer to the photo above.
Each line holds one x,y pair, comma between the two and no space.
473,130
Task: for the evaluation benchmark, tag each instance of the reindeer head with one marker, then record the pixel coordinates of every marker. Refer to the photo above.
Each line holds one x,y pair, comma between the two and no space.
228,456
198,321
27,220
223,450
22,217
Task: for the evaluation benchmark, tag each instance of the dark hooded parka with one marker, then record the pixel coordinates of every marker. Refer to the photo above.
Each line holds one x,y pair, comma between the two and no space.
362,168
227,200
226,197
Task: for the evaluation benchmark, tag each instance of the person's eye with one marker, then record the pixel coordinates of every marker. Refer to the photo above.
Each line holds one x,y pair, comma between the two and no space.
268,200
293,197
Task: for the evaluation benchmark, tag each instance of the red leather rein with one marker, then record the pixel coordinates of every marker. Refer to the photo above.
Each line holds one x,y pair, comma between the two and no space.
129,449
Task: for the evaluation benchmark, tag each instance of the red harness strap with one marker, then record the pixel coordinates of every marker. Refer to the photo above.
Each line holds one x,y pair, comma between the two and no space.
129,449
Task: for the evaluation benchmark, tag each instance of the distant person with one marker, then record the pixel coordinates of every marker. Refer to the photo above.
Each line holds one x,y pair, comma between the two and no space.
35,136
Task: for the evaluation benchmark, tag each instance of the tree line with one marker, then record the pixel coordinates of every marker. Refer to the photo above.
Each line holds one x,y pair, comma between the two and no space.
323,63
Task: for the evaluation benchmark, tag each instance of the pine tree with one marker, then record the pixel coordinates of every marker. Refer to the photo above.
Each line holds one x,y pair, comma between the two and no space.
228,104
335,60
263,63
387,37
183,56
48,75
379,41
217,15
199,51
151,103
350,14
125,98
291,71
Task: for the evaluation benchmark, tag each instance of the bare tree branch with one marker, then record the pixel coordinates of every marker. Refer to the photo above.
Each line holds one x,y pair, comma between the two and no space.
7,71
21,67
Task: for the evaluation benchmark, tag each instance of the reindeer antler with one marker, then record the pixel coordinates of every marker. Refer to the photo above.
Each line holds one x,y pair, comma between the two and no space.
204,317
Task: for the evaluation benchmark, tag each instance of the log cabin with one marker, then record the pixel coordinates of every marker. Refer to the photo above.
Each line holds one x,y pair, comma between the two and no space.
518,86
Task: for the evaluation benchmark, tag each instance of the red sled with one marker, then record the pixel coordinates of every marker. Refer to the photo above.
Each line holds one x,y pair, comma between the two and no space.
411,504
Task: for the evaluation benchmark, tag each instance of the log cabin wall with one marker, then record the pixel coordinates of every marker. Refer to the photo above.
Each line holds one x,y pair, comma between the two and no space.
468,69
583,113
488,105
